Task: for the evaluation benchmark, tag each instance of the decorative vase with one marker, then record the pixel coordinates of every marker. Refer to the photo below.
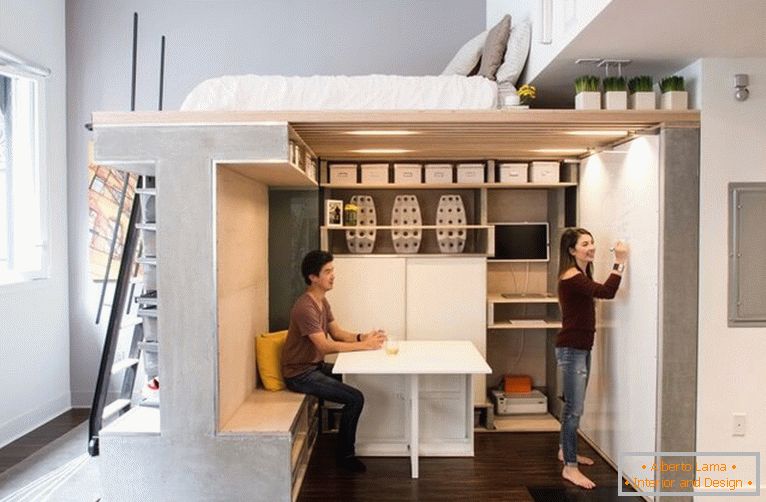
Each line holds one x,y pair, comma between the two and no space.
450,211
643,100
362,241
406,213
675,100
616,100
588,100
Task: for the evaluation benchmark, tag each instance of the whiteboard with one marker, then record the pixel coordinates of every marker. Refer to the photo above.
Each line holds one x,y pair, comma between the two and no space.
619,198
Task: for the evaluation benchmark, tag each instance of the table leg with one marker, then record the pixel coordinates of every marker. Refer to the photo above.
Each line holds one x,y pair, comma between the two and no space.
414,415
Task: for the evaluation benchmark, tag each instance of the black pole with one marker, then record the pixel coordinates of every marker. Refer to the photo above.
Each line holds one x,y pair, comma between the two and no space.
133,73
162,71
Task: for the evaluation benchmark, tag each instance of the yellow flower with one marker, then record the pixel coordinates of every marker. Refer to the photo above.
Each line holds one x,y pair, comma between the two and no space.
527,93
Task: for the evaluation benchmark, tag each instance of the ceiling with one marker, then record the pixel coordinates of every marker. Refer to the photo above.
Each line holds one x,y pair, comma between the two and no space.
661,37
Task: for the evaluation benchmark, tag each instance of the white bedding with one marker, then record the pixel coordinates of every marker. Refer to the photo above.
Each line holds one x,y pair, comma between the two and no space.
369,92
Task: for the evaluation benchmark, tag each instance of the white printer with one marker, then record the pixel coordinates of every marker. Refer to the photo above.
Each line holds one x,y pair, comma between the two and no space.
518,403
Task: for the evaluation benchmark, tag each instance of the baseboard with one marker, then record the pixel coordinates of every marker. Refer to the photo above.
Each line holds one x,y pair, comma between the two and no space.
17,427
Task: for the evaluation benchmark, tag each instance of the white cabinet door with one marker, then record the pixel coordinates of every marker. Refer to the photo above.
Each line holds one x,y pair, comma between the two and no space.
447,300
367,294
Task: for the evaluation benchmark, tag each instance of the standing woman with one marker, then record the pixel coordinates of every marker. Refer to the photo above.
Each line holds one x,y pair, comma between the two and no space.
576,291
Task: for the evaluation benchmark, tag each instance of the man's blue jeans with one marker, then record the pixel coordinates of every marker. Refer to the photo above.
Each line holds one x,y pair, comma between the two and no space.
320,382
575,370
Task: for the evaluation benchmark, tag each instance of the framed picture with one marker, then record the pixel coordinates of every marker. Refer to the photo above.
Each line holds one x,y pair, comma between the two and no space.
333,213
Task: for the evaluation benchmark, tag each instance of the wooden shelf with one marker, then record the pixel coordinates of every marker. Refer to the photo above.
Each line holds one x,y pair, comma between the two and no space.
412,227
449,186
529,298
539,325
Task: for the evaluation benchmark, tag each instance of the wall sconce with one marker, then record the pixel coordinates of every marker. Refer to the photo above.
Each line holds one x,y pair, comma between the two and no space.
741,81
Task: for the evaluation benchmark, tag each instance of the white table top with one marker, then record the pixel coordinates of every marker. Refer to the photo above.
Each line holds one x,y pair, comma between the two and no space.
415,357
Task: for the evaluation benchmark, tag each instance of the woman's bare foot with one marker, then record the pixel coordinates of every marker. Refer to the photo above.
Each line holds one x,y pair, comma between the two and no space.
573,474
581,459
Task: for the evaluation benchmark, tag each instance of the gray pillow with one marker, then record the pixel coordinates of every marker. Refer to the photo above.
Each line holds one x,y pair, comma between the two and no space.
494,48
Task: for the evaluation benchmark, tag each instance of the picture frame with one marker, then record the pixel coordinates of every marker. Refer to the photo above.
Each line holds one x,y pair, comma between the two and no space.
333,216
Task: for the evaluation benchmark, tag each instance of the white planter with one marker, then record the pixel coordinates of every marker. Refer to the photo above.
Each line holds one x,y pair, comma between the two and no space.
644,100
588,100
675,100
616,100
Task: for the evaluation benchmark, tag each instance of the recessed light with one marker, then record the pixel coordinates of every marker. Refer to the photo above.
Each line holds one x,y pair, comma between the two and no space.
386,132
381,151
612,134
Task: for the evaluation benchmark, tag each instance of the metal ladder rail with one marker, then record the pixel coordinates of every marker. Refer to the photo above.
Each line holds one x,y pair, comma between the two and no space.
113,332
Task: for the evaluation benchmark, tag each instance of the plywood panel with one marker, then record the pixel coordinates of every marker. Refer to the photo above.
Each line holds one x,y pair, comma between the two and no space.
242,282
619,199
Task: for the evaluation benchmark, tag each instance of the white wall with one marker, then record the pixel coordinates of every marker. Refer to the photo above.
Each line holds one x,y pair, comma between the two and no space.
207,39
34,330
569,18
731,371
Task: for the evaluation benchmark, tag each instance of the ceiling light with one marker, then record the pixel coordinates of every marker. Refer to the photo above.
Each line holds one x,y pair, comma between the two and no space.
611,134
563,151
381,151
388,132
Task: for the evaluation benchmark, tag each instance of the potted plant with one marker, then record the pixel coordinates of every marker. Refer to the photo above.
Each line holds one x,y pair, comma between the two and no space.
587,95
642,93
615,93
674,96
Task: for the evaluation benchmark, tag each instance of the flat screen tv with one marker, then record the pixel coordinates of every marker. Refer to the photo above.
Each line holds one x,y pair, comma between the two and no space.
522,242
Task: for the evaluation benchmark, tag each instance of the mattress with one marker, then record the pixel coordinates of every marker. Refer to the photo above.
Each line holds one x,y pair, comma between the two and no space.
368,92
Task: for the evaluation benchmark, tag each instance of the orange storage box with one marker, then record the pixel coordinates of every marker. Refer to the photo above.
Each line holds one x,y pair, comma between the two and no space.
517,384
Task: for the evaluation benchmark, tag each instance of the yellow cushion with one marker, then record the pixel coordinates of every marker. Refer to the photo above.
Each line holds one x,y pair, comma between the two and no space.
268,355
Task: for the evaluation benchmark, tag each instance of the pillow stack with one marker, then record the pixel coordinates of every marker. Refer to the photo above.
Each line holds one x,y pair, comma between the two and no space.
497,54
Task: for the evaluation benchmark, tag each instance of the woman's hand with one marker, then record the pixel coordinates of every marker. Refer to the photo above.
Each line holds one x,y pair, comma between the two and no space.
620,252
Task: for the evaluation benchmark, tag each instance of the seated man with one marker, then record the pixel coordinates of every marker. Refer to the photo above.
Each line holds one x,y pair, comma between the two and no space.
307,343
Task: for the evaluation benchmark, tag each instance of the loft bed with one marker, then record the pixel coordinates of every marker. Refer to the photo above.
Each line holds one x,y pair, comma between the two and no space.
483,71
209,408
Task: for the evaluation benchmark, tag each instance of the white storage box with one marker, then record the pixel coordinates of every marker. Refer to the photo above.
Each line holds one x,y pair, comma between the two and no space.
544,172
438,173
470,173
513,173
343,174
375,174
407,174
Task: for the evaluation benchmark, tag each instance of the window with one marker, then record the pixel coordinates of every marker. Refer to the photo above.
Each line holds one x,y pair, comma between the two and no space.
23,201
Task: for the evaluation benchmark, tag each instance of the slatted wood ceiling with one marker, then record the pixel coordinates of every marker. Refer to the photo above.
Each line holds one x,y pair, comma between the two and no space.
441,134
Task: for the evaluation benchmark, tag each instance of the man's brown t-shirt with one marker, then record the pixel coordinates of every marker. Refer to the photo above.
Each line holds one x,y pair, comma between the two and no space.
299,354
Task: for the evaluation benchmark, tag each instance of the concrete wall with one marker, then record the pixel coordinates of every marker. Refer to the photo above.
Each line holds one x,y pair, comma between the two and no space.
731,370
207,39
34,330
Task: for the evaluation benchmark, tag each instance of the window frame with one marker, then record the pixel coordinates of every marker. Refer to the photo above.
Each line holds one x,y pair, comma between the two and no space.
41,181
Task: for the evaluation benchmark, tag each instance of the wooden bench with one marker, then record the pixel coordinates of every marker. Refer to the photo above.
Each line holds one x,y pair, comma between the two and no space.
283,414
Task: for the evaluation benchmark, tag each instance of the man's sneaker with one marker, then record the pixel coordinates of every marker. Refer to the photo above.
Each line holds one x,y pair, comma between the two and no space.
352,464
151,393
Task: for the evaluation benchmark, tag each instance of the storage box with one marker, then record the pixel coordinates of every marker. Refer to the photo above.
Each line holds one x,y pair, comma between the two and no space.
517,384
544,172
470,173
343,174
375,174
407,174
513,173
438,173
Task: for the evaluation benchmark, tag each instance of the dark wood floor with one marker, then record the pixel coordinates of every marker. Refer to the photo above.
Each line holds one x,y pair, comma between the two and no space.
507,466
15,452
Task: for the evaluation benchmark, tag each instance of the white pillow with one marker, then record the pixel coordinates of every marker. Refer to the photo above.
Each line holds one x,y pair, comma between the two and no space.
467,56
516,53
